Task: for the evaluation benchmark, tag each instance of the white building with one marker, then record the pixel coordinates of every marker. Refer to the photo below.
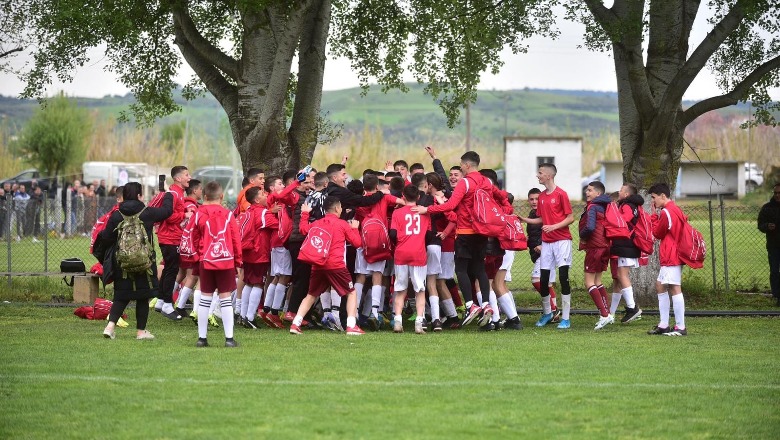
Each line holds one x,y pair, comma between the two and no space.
523,155
694,179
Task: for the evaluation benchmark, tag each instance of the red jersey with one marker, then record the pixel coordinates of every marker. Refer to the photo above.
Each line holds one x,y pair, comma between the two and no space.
169,230
667,227
462,200
378,211
287,197
341,233
554,208
204,242
410,231
257,229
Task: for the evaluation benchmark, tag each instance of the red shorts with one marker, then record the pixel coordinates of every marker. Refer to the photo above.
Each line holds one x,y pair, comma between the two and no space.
219,281
339,279
596,260
190,265
492,264
613,267
254,273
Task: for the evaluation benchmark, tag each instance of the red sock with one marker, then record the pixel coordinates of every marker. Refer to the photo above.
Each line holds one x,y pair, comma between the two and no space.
537,286
595,295
552,298
455,295
603,292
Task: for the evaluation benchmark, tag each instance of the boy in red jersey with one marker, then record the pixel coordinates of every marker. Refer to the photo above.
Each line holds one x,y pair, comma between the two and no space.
256,225
594,241
186,265
555,216
534,234
407,230
444,226
668,227
169,238
218,240
625,255
333,272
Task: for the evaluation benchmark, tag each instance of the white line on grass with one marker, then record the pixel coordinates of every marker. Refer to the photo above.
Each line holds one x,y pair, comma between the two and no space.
383,383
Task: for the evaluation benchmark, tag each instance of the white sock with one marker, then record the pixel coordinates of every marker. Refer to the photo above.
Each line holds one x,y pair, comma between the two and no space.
298,320
196,301
281,292
628,295
246,295
678,303
449,308
237,304
252,301
507,305
434,307
615,303
566,302
158,305
335,300
226,306
546,307
184,295
359,292
478,296
376,299
663,309
214,307
351,321
176,289
167,307
494,305
269,296
326,302
204,305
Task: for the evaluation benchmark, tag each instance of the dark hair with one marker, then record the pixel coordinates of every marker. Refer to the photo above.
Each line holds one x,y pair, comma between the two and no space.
253,172
534,191
470,156
330,203
244,182
631,188
333,169
660,188
117,191
417,179
598,186
178,169
370,182
194,184
550,166
417,166
368,171
411,193
212,191
252,193
391,174
397,183
269,182
289,176
457,168
320,179
434,179
355,186
510,198
132,190
402,163
490,174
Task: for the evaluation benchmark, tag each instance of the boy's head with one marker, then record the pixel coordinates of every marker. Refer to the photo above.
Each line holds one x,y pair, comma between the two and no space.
397,183
661,194
244,182
411,194
434,182
132,191
180,175
615,196
256,195
490,174
469,162
370,182
419,181
417,168
212,192
118,193
320,180
546,173
273,185
256,176
288,177
194,189
337,174
628,189
455,175
533,197
332,205
356,187
401,167
593,190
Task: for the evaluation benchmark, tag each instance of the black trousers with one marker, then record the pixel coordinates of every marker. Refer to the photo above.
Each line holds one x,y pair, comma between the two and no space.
170,255
301,274
470,253
141,312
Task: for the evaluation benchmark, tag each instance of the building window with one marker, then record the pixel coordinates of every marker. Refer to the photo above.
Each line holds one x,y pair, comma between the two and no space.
544,159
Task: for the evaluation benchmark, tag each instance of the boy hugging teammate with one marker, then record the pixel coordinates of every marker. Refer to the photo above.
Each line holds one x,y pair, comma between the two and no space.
534,234
593,239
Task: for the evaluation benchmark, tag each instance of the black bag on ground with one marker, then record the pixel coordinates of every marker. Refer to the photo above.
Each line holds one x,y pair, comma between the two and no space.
72,265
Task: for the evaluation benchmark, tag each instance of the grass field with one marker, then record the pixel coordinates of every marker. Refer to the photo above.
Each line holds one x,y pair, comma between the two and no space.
61,379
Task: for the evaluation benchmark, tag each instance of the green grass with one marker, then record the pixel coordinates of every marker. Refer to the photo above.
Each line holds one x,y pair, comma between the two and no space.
61,378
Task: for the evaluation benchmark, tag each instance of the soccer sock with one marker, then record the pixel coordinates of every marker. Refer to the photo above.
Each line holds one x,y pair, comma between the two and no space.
184,295
368,307
595,295
269,298
628,295
237,304
449,308
566,303
493,301
679,311
158,305
537,286
298,320
226,307
615,303
176,290
214,306
434,307
167,307
553,299
196,301
351,321
326,302
453,288
252,301
246,297
663,309
603,292
508,305
281,292
359,292
376,300
546,308
478,296
204,305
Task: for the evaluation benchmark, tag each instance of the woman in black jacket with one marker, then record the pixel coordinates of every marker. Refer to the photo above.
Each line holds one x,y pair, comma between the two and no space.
138,287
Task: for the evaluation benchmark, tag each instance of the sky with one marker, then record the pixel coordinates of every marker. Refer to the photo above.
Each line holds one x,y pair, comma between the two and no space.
547,65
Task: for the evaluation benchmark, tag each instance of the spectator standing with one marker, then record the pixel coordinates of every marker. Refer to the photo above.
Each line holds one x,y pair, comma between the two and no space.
21,199
769,224
3,212
34,207
90,208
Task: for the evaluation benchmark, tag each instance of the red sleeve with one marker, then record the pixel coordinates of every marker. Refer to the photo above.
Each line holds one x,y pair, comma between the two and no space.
288,196
352,236
196,233
660,224
178,210
450,227
391,200
451,216
394,220
236,239
454,201
566,203
304,225
627,213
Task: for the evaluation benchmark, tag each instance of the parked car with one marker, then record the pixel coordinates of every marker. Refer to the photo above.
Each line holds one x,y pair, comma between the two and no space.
27,176
754,177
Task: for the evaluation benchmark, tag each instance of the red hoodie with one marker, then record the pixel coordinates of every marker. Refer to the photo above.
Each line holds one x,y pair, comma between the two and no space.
169,231
462,200
668,227
203,241
289,198
258,225
341,232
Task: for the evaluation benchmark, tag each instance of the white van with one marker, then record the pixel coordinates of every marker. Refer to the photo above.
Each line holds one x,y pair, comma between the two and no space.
120,173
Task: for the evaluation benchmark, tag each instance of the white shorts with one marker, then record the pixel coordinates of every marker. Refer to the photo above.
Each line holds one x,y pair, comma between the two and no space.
536,272
509,259
434,259
447,266
281,263
404,272
363,267
627,262
555,254
671,275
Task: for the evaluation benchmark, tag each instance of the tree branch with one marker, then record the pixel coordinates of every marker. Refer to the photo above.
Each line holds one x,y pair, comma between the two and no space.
208,51
737,94
604,16
5,54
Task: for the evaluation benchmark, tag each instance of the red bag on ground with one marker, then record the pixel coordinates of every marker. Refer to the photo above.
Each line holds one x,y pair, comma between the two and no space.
97,311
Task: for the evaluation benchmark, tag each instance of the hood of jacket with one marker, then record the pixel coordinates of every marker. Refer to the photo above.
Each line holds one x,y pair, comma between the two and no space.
603,200
131,207
635,199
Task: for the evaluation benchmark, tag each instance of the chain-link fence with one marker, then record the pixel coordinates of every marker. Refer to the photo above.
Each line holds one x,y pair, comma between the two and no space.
37,233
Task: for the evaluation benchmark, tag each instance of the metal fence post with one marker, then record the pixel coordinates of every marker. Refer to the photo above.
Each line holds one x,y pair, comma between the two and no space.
46,231
8,201
723,236
712,240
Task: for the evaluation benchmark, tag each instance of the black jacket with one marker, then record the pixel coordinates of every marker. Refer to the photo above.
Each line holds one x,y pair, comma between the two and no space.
625,247
770,213
141,285
296,236
534,234
350,200
438,168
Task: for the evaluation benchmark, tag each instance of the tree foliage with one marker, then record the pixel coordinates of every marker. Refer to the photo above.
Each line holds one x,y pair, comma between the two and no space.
54,139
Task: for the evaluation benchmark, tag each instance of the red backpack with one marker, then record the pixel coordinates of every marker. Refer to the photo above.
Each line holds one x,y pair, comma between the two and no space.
642,233
376,240
249,234
316,247
218,254
691,248
514,238
489,217
614,224
187,251
99,226
97,311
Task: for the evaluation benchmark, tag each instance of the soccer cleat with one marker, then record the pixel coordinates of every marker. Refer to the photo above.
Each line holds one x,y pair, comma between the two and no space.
659,330
295,330
202,342
564,324
461,311
265,317
436,325
145,335
109,334
355,331
373,323
194,317
486,316
182,312
398,326
419,327
631,315
412,317
472,313
328,323
489,327
213,321
246,323
556,316
602,322
275,320
451,322
677,332
173,316
153,303
513,324
231,343
544,320
337,323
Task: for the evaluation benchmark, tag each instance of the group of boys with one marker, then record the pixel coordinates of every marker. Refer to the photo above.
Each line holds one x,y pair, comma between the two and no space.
308,237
